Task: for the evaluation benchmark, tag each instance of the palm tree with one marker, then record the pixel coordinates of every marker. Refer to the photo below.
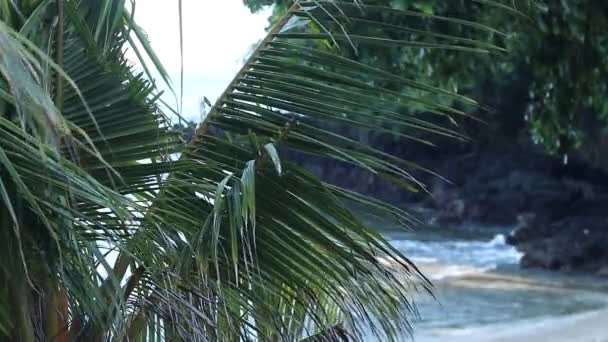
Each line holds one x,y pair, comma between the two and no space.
113,229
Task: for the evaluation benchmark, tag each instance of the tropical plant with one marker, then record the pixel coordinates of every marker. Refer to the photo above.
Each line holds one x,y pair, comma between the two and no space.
559,46
113,230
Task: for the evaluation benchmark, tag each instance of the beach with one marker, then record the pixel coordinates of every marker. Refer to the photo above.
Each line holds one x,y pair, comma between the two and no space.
583,327
481,294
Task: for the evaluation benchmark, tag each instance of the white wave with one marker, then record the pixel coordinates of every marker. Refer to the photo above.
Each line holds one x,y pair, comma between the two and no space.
424,260
459,257
498,241
441,272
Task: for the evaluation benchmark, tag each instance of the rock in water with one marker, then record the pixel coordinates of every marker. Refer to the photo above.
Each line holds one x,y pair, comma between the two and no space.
574,243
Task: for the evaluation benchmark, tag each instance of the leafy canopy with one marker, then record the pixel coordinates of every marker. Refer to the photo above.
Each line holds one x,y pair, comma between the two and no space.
559,44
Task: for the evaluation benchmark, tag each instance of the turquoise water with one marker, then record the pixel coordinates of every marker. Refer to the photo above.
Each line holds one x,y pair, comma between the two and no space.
478,282
466,306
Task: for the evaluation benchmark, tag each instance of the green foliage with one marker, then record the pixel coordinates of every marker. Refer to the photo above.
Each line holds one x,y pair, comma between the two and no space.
568,61
107,235
561,44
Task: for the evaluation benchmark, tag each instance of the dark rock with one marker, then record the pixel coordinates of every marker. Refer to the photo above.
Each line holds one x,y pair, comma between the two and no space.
559,211
573,243
602,272
525,228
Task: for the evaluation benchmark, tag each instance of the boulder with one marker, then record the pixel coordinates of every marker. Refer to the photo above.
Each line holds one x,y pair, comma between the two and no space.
574,243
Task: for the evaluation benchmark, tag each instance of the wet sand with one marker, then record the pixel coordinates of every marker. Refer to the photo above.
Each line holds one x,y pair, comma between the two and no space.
481,295
583,327
586,326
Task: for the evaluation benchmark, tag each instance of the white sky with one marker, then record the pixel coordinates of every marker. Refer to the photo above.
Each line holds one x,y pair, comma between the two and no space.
217,36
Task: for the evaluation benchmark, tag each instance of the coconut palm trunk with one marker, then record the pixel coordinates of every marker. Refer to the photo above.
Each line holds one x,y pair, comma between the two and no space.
115,229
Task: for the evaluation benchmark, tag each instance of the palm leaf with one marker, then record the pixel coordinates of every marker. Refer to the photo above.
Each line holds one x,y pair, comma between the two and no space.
231,241
279,252
61,185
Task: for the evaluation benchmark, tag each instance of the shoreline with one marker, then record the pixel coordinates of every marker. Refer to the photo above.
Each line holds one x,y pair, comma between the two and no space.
587,326
482,295
583,326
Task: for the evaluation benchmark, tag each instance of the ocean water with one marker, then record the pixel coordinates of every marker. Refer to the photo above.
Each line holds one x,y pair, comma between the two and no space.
478,283
459,257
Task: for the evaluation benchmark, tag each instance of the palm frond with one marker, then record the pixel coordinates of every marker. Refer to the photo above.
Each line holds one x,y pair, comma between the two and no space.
65,171
232,241
280,253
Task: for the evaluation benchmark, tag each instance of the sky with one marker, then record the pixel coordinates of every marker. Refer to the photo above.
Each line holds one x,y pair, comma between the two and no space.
218,34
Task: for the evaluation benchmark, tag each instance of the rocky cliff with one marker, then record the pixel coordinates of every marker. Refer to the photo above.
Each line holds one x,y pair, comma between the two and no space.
559,210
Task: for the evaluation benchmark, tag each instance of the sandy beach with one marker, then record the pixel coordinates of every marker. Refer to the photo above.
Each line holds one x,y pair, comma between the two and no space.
583,327
476,301
586,326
